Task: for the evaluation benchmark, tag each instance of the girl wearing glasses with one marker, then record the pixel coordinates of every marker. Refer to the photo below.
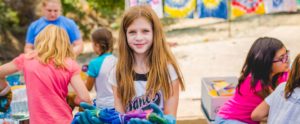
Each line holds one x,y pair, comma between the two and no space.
266,66
283,105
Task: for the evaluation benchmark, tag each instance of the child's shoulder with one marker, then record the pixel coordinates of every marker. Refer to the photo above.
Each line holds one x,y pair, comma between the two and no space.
248,78
247,82
103,57
71,61
172,72
27,56
71,65
170,67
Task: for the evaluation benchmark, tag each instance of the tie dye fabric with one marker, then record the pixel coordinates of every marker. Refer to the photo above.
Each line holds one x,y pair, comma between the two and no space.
242,7
156,5
212,8
179,8
280,6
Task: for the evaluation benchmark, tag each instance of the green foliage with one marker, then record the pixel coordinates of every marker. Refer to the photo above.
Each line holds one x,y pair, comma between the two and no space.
109,9
8,17
9,22
16,16
72,6
86,19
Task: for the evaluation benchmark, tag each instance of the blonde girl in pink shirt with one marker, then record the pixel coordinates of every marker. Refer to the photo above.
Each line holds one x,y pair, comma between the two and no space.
265,67
48,70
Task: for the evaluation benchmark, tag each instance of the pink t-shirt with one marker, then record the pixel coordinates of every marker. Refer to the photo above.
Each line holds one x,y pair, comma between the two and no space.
47,88
240,107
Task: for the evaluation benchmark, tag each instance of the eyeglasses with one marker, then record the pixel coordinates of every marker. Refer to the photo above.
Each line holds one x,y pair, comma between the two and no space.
284,58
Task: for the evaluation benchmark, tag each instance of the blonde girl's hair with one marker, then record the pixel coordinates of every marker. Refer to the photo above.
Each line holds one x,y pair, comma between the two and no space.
294,78
159,57
53,44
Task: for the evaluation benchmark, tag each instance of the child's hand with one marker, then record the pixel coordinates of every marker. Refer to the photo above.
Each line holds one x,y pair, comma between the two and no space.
88,116
5,101
158,117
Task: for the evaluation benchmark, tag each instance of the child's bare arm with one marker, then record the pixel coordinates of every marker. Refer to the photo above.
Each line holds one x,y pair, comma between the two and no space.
118,102
171,104
260,113
6,69
78,46
80,89
90,83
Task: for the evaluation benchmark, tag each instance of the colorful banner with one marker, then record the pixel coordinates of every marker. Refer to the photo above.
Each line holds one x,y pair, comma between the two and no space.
212,8
156,5
180,8
242,7
273,6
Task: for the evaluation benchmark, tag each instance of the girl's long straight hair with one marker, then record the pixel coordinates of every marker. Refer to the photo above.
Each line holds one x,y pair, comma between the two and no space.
53,44
158,58
294,78
259,63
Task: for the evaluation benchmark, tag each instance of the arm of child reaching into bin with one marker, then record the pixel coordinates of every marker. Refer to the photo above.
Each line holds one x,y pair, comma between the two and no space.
5,90
80,89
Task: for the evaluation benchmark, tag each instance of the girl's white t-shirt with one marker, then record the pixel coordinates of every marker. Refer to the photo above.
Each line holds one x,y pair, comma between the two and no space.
142,100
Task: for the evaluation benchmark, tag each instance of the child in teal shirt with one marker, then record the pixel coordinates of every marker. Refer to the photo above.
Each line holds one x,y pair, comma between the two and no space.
100,67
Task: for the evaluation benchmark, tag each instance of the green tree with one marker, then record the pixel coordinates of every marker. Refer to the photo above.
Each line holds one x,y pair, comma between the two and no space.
16,15
14,19
109,9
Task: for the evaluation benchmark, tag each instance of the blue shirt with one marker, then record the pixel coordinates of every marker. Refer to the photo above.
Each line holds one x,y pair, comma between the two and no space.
284,111
37,26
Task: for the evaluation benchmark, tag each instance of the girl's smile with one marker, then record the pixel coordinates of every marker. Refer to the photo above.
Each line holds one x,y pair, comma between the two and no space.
139,45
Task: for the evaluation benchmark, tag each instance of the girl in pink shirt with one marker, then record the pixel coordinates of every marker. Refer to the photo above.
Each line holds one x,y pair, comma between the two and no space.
265,67
48,70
